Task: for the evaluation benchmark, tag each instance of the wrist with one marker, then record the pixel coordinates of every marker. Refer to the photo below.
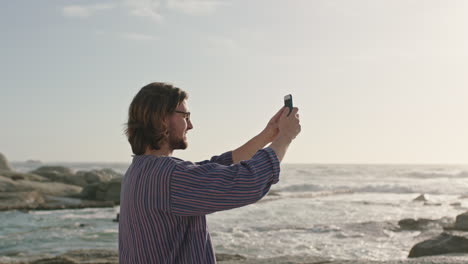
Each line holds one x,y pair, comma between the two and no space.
266,136
283,138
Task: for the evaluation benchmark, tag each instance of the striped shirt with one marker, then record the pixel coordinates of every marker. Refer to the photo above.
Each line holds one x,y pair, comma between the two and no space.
164,201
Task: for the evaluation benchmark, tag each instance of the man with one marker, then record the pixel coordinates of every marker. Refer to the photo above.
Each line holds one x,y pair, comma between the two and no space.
164,199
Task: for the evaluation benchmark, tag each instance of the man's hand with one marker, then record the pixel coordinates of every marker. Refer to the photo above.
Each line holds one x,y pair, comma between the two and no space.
268,135
289,127
271,130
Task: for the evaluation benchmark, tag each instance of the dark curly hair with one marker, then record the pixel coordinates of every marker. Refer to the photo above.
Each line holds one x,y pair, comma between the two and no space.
146,126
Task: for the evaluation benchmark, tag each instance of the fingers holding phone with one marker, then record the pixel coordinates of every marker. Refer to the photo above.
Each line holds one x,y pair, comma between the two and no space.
289,127
289,123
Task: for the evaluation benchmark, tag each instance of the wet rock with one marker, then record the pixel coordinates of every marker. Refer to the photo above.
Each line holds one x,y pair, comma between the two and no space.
445,243
432,204
419,224
425,224
461,222
274,193
4,164
420,198
116,218
226,257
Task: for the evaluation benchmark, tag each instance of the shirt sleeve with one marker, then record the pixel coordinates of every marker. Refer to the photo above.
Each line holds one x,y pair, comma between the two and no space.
223,159
211,187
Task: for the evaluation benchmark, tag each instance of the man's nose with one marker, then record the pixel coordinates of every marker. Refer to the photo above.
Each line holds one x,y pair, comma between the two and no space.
190,125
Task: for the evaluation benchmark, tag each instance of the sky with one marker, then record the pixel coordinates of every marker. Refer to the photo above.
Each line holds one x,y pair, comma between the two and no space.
375,81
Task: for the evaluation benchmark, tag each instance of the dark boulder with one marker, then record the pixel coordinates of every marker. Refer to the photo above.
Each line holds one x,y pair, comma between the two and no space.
422,224
445,243
461,223
103,191
420,198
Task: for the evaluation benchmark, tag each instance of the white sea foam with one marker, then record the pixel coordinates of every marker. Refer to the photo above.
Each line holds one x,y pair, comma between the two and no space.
94,215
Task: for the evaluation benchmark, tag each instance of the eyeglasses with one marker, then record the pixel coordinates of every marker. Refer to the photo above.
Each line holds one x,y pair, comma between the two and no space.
186,114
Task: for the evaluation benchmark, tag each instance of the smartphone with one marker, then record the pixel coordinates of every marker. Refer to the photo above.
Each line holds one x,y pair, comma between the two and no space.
288,102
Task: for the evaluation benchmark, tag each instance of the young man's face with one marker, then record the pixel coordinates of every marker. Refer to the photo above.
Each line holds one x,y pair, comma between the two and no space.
179,124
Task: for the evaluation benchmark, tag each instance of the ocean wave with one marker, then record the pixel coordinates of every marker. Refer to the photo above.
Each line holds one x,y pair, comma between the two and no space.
384,189
320,228
97,215
429,175
348,189
302,188
110,231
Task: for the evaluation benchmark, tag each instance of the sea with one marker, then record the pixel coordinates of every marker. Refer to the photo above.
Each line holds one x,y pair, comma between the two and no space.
334,211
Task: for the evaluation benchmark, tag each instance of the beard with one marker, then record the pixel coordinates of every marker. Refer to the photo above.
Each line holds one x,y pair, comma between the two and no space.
176,142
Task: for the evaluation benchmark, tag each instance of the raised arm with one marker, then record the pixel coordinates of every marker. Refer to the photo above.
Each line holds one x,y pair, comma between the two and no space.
258,142
203,189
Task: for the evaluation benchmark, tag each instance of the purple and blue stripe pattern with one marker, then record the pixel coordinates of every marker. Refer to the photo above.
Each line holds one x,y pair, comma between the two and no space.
164,200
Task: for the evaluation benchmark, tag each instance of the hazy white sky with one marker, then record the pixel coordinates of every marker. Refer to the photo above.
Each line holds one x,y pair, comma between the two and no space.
376,81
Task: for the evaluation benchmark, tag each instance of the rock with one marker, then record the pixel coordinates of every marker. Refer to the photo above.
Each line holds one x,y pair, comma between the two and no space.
89,191
60,174
225,257
50,188
52,171
104,191
432,204
96,176
31,195
420,198
4,164
461,222
419,224
17,177
445,243
14,200
274,193
116,218
23,176
96,256
8,185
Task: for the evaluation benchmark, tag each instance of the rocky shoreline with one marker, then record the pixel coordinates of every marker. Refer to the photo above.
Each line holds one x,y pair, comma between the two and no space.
97,256
55,187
